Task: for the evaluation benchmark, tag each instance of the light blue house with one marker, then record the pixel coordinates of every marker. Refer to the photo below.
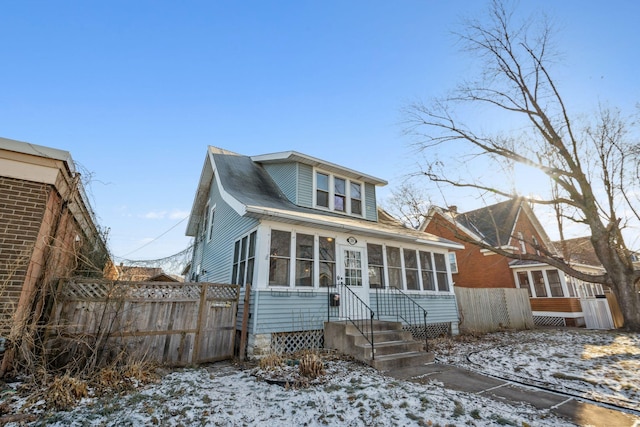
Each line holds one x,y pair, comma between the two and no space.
293,226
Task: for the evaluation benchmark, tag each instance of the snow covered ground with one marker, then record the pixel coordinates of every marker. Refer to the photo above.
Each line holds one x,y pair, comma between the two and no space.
599,365
603,365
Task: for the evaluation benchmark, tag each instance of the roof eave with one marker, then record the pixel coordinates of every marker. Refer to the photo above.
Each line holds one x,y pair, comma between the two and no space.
315,162
264,213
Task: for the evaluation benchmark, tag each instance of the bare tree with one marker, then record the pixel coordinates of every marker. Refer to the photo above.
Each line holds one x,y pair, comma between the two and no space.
591,163
409,203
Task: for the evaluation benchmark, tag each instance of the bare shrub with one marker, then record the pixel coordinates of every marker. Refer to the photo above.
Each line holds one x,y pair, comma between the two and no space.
311,366
271,361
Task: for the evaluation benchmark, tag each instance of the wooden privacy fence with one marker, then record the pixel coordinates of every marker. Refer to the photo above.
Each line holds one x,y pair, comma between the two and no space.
172,323
487,310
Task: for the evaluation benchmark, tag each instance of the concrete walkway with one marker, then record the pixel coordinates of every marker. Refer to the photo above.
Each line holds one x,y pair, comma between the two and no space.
575,411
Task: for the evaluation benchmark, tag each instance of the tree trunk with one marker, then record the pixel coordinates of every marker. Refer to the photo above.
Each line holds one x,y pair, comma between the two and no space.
629,302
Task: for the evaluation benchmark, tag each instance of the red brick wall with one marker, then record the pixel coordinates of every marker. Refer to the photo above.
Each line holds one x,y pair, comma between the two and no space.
22,206
475,269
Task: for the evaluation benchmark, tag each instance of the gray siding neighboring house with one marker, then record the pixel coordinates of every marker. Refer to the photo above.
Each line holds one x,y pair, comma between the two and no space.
287,222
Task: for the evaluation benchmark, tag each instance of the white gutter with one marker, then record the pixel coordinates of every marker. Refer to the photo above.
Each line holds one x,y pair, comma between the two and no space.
351,228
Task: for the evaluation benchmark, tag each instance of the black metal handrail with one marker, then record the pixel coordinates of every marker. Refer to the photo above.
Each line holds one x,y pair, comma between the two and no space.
394,302
344,303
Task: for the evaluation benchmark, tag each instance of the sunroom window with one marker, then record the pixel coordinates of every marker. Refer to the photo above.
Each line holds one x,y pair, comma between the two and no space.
411,269
280,256
244,254
394,266
376,266
327,252
304,259
441,272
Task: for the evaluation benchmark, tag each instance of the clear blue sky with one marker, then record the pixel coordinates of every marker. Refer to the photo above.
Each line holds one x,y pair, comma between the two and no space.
136,90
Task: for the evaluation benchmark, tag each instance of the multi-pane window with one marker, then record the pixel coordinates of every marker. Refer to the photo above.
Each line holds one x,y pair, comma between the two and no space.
376,265
244,254
441,272
322,190
304,259
428,282
356,198
523,280
554,283
339,194
327,252
411,269
279,258
538,283
394,266
453,262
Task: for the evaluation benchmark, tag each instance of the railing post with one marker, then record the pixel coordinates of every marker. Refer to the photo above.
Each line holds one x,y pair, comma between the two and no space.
426,335
373,349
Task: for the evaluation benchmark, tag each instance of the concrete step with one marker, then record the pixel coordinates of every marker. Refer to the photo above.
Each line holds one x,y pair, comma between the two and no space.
377,325
392,347
381,336
401,360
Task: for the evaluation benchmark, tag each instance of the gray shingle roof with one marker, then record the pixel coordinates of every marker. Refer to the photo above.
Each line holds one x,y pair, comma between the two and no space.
250,184
494,223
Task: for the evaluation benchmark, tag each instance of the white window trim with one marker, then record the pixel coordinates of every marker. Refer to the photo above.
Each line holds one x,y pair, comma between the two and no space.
211,218
523,245
331,192
455,262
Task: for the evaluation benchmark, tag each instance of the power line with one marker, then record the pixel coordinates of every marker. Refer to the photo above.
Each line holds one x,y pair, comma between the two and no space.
150,242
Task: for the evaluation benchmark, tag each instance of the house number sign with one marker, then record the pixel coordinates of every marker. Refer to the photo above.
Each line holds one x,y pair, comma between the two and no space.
352,240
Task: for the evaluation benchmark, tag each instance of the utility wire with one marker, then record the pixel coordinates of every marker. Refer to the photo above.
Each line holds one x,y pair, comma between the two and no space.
148,243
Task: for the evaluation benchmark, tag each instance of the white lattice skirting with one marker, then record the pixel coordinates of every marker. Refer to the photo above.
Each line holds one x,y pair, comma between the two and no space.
291,342
431,330
549,321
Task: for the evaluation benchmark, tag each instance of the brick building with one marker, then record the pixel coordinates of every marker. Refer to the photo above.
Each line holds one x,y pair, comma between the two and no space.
513,227
47,232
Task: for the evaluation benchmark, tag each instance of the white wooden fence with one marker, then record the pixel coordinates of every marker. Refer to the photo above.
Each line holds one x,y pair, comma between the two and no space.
492,309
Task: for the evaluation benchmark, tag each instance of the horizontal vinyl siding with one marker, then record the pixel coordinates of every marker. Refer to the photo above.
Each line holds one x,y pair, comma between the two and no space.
241,311
284,175
228,226
440,308
370,204
305,185
289,311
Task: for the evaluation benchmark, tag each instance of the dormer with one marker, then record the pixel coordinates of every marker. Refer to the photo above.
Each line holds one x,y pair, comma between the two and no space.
313,183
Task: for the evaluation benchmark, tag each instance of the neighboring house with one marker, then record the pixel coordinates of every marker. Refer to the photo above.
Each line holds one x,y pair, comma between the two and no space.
511,226
144,274
47,231
293,225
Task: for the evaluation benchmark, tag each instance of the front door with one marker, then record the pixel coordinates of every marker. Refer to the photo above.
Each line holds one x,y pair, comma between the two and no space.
351,272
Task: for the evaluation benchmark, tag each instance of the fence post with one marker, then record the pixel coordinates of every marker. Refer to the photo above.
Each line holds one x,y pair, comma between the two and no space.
245,321
198,337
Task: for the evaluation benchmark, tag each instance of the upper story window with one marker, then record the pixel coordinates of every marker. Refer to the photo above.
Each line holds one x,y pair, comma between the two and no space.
322,190
338,194
523,245
212,214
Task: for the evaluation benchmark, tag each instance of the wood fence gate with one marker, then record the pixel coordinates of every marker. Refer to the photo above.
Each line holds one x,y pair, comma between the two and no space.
171,323
596,313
